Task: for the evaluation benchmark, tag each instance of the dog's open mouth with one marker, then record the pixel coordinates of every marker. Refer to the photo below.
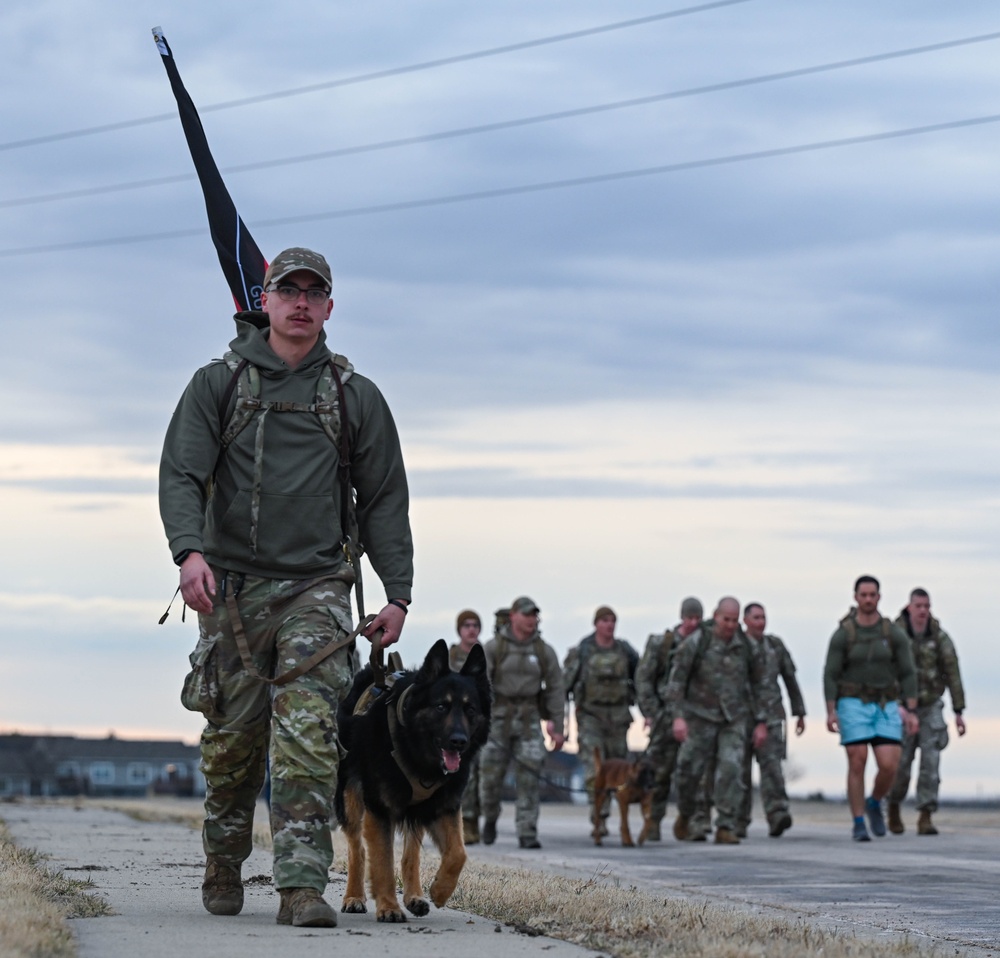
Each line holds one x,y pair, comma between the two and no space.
450,761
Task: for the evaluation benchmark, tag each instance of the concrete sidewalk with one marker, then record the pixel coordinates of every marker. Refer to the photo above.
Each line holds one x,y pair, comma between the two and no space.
150,873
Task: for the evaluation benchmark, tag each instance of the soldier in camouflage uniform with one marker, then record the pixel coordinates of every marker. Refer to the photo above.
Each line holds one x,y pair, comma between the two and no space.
599,675
651,687
937,668
469,625
258,520
527,689
715,688
775,661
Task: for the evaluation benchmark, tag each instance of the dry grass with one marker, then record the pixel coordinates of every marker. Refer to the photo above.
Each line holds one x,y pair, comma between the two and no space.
35,903
601,914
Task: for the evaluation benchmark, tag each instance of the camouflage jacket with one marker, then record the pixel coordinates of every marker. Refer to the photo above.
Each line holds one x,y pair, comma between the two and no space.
776,661
601,681
456,657
652,672
525,675
876,665
296,530
936,663
716,680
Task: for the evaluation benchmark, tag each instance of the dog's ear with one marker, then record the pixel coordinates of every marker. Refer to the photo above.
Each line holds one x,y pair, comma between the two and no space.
436,663
475,664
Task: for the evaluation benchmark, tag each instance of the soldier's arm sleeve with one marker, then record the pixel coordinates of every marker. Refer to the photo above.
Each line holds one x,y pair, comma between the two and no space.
949,660
379,478
680,672
833,668
797,703
645,680
190,453
633,664
758,692
571,672
906,671
555,693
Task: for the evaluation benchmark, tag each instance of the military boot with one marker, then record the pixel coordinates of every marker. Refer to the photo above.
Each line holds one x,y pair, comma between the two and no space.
723,836
222,889
653,834
681,828
896,825
305,908
489,831
470,831
924,824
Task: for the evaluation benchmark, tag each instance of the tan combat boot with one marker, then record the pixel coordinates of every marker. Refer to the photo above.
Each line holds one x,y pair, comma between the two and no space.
470,831
896,825
222,889
924,824
723,836
681,830
305,908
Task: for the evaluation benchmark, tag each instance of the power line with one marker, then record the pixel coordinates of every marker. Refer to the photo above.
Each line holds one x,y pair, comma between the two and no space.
503,124
525,188
377,75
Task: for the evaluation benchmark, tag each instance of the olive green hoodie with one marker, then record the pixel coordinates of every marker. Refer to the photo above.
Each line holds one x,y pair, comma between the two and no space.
299,526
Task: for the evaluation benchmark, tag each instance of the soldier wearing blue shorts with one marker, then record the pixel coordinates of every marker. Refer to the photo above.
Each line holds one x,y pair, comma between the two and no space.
869,671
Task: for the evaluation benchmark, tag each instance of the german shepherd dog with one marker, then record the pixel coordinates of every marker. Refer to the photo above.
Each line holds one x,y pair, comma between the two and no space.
408,760
628,781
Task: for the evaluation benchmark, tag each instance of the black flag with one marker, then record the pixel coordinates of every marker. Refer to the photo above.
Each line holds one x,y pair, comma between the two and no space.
241,259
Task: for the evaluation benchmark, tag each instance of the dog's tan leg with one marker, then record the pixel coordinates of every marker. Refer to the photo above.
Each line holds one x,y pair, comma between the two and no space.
354,895
599,790
410,867
382,868
623,810
447,835
647,815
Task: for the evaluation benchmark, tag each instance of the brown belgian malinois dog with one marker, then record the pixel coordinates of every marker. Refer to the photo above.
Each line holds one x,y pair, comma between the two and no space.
630,781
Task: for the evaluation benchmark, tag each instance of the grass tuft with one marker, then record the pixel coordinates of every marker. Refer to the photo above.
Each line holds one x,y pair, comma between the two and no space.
35,903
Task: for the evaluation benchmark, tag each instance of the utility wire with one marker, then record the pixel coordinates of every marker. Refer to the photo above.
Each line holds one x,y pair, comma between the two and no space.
502,124
377,75
525,188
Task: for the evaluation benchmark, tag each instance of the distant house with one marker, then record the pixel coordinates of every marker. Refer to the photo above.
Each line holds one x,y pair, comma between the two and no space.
68,765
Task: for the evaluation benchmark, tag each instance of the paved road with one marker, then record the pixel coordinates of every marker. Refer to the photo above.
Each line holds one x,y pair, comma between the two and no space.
150,872
944,888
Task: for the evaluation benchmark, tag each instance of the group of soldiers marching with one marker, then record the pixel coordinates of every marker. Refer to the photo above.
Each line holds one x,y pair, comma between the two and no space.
709,693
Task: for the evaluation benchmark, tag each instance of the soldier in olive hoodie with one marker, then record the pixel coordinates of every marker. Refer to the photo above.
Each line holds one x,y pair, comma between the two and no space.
253,502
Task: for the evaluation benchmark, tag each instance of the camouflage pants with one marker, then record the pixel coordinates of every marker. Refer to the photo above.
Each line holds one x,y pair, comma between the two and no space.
592,732
662,752
284,624
470,797
723,743
515,734
772,780
931,739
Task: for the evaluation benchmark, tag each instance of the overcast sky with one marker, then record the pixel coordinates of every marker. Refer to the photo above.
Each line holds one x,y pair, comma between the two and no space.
757,375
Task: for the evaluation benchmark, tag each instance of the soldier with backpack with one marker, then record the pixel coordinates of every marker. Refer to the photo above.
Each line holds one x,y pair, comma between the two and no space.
715,690
651,677
278,463
936,663
775,661
599,676
868,672
527,690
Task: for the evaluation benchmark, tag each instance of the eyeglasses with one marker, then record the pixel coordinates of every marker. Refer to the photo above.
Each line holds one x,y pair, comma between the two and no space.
289,293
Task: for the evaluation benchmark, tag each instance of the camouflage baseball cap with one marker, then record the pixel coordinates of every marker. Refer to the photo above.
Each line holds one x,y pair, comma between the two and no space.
691,606
524,605
291,260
